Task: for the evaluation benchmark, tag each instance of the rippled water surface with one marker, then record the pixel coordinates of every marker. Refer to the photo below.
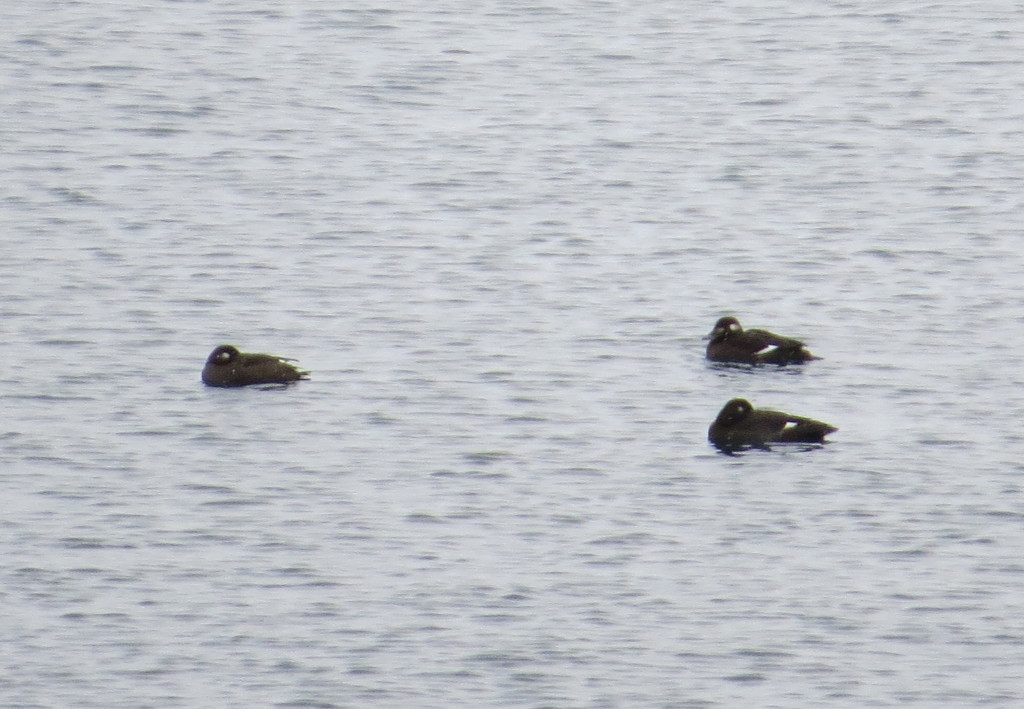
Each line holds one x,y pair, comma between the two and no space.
496,234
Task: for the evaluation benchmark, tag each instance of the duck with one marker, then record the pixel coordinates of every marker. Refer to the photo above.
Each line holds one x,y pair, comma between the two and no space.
729,342
740,425
227,367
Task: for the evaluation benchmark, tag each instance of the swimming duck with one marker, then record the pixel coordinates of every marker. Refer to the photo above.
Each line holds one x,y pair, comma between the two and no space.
731,343
227,367
740,425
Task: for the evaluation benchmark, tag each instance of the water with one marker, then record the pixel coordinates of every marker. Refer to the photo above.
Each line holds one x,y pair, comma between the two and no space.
496,234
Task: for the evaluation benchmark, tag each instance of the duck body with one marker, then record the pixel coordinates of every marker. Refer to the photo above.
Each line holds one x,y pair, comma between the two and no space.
739,425
227,367
729,342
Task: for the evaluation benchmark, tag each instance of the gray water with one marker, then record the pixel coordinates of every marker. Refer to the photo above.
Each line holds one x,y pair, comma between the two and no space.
496,233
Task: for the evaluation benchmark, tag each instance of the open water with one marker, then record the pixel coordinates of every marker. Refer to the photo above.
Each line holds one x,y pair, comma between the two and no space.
496,233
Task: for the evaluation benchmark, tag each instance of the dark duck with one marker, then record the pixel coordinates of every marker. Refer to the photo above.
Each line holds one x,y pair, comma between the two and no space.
227,367
739,425
729,342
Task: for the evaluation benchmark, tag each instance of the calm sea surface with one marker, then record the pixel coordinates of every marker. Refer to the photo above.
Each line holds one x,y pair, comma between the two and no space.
496,233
